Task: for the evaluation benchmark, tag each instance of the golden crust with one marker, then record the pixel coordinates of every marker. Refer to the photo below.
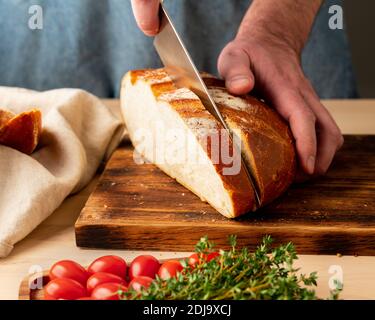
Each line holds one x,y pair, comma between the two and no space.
267,142
266,138
5,116
21,132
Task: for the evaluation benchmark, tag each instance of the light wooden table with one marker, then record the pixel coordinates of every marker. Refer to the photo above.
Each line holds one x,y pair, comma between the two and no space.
54,238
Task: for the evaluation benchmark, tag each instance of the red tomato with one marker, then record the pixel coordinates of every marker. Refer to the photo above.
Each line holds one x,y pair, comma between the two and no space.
109,264
198,258
169,269
64,289
102,277
212,255
144,266
108,291
194,260
85,298
69,269
141,281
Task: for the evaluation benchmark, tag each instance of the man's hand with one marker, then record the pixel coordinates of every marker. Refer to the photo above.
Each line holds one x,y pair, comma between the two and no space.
146,13
265,56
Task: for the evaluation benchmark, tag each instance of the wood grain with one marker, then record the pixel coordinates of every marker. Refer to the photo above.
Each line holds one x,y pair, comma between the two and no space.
26,293
139,207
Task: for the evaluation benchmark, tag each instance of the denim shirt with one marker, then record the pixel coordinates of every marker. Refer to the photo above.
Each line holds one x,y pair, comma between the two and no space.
90,44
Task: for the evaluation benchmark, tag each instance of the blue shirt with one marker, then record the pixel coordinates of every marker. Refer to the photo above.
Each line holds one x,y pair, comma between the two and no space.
90,44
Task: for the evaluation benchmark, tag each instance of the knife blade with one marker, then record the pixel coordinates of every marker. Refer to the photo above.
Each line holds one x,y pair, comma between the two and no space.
183,72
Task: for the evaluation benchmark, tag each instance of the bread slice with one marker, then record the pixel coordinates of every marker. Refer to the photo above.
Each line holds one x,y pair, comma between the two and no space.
267,143
21,132
171,128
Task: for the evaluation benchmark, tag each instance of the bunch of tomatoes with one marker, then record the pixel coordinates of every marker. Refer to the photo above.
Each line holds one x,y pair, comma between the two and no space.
109,277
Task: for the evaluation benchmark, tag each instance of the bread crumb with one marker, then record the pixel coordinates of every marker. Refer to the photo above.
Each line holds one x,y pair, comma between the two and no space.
339,255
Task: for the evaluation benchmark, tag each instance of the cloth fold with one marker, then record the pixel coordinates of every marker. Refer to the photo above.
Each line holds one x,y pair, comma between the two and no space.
79,132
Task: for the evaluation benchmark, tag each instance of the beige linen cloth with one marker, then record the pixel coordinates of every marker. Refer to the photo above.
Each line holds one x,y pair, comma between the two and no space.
79,132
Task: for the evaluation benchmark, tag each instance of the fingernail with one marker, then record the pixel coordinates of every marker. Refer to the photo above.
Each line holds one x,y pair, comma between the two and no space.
151,32
311,164
239,82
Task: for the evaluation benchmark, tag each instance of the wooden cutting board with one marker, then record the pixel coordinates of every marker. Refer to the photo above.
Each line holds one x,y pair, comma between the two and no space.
138,207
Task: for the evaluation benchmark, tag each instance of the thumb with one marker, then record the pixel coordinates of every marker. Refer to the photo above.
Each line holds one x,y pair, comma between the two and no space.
234,67
146,13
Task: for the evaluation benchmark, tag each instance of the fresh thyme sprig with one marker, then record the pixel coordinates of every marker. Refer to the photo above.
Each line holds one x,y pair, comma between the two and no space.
267,273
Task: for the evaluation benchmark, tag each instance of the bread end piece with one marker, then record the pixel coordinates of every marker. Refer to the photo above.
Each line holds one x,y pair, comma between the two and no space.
21,132
267,142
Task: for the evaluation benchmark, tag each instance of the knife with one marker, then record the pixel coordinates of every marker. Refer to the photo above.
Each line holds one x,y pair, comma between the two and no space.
181,68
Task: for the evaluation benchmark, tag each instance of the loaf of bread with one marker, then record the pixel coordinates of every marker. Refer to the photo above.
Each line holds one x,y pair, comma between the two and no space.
22,131
170,127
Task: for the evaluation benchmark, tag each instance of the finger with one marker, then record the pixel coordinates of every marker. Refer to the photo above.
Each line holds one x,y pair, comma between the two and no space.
234,67
301,176
146,13
302,124
329,135
291,105
327,148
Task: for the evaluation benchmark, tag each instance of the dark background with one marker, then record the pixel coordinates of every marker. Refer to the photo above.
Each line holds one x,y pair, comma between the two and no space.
360,24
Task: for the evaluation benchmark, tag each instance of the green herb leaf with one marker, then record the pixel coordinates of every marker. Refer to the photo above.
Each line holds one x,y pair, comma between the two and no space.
267,273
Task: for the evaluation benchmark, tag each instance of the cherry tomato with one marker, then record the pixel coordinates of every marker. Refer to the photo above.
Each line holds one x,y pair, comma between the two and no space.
144,265
169,269
64,289
198,258
69,269
212,255
102,277
108,291
109,264
141,281
193,260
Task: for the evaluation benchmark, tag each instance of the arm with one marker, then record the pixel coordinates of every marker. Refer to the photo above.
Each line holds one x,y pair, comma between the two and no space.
290,21
265,56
